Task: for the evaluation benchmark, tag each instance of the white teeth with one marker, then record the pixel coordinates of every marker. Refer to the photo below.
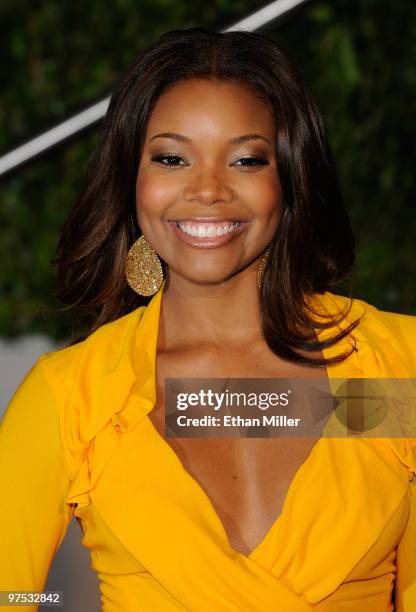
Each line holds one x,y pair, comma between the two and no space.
204,230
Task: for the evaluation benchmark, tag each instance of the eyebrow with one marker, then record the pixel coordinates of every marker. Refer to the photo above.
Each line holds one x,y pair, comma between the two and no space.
236,140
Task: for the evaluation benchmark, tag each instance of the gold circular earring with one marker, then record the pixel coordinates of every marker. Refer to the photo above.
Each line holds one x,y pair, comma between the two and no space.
144,272
262,265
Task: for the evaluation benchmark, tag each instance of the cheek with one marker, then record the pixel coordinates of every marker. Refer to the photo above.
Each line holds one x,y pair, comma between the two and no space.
266,196
151,195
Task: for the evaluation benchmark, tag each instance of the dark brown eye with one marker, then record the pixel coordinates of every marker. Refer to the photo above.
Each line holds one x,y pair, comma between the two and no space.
257,161
168,156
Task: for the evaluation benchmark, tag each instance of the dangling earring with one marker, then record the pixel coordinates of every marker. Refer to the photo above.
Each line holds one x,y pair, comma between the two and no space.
266,256
144,271
262,265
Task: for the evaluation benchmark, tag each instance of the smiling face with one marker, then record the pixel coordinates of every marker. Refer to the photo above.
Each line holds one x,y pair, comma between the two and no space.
208,162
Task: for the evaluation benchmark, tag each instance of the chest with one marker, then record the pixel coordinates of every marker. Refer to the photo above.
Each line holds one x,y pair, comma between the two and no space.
245,479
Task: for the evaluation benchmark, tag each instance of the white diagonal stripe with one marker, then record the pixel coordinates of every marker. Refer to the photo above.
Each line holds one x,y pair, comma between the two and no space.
97,111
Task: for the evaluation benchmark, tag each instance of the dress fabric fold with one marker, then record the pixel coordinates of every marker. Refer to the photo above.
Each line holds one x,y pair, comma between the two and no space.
345,540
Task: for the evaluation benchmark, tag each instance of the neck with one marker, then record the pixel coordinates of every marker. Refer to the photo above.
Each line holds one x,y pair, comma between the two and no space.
221,314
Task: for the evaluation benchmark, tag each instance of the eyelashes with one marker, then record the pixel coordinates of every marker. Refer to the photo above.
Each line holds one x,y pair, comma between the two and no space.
260,161
159,158
171,156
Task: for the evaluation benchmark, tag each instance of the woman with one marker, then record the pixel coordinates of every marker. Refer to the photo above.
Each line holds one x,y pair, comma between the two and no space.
213,193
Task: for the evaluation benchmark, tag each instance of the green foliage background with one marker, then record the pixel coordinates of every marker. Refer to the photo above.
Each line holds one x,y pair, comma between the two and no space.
358,58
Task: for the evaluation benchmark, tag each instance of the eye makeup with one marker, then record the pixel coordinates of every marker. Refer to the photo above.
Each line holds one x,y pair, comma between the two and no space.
248,161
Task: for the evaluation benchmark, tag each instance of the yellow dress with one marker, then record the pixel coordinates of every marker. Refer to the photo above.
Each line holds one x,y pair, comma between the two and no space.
76,440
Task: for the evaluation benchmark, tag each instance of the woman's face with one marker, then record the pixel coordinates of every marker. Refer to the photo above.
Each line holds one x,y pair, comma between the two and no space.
209,161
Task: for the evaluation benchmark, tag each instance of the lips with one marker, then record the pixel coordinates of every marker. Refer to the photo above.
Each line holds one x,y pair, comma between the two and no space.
207,241
207,220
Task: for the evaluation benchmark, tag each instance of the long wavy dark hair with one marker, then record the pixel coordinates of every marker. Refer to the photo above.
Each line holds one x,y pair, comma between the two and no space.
313,249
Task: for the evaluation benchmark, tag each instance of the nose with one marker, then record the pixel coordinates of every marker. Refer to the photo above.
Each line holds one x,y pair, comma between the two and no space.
208,187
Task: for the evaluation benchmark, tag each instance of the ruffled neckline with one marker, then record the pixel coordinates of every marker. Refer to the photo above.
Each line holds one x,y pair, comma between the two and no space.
111,398
115,390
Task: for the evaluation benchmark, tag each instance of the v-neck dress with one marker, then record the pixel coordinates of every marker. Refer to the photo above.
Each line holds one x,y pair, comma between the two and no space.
76,440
